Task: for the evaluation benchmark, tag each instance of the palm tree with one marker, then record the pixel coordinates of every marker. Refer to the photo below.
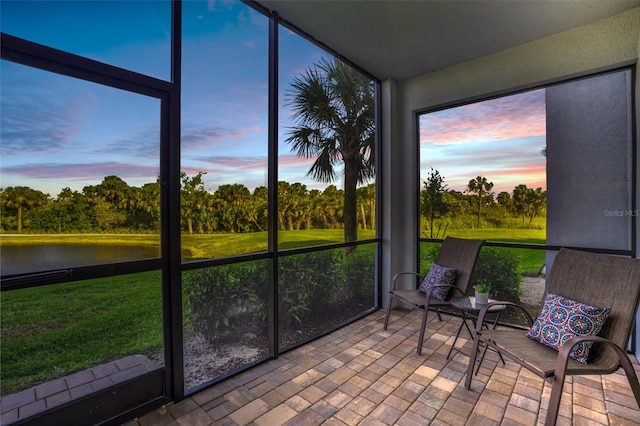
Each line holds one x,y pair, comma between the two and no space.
334,107
482,187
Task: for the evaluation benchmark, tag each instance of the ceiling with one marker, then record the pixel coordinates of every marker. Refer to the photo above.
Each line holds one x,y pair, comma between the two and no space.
401,39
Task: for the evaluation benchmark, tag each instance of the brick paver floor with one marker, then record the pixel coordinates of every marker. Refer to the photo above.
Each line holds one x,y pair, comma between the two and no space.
39,398
365,375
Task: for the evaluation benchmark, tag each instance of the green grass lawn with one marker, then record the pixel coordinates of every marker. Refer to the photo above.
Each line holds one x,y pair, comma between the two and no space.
220,245
533,236
147,240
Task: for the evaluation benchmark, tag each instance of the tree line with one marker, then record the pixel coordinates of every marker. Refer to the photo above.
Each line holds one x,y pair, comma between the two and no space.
114,206
438,202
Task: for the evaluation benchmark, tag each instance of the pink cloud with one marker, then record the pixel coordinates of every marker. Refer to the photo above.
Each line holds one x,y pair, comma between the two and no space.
238,163
251,163
499,119
292,160
195,137
87,171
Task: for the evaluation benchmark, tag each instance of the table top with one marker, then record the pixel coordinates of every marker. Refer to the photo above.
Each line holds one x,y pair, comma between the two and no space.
468,303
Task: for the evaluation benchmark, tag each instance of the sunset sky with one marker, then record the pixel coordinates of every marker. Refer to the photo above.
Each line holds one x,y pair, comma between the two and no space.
499,139
60,132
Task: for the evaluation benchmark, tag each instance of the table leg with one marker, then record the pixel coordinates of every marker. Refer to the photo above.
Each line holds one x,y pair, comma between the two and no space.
453,345
484,352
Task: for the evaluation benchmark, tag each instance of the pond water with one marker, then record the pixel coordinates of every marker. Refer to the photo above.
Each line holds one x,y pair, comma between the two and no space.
43,257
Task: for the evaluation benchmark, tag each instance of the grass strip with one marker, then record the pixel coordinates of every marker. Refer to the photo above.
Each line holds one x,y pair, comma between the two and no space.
52,331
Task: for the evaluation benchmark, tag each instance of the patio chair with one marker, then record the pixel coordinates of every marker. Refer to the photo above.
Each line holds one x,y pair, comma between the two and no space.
455,253
598,280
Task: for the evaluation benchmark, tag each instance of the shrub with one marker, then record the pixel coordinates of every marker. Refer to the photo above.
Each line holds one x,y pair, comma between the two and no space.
253,276
311,286
308,283
210,295
360,271
500,268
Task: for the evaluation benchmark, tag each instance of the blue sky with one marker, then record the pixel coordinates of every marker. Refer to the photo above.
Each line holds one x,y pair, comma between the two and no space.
59,132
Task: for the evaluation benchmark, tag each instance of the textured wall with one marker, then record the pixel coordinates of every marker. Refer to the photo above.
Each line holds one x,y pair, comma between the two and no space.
596,46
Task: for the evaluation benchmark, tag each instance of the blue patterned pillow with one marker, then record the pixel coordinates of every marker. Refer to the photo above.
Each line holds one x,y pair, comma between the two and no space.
562,318
438,275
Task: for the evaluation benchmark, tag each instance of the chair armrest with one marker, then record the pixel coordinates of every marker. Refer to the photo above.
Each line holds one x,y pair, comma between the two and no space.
563,353
453,287
399,274
485,309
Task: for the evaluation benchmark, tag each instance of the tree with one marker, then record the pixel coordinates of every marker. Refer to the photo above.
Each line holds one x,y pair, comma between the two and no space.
233,199
113,190
520,200
150,204
333,202
334,107
285,203
257,210
528,202
433,203
315,219
367,198
19,199
481,187
73,212
192,198
456,202
505,201
106,215
538,202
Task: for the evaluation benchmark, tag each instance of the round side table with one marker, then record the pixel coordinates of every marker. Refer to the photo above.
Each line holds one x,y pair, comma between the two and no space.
470,310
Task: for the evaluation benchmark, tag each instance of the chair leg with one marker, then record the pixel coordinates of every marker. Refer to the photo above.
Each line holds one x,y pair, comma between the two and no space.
472,361
386,319
422,328
438,313
631,376
554,400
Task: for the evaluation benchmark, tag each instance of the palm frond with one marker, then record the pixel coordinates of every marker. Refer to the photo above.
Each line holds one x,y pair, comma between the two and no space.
333,106
322,169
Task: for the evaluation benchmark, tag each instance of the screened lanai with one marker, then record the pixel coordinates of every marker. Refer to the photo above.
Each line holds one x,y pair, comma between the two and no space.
165,236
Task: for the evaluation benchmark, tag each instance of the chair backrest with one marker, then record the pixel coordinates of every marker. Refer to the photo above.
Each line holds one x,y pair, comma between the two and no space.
461,254
600,280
